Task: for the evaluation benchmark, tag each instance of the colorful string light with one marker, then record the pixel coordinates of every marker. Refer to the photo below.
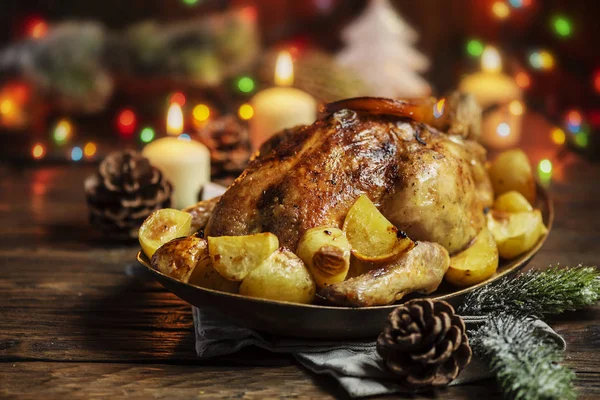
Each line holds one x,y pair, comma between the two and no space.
76,153
147,135
582,139
190,3
523,80
474,48
562,26
184,136
36,28
38,151
245,84
62,132
558,136
178,98
545,171
597,80
574,121
541,60
516,107
246,111
201,112
503,129
89,150
500,10
126,122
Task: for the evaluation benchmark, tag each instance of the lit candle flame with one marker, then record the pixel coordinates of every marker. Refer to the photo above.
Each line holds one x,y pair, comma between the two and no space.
438,108
284,69
490,60
174,120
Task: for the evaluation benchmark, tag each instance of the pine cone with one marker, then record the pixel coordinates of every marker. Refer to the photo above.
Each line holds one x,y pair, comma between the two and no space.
124,192
424,343
229,145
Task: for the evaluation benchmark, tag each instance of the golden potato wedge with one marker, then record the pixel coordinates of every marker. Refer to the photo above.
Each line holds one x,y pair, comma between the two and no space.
358,267
515,233
512,201
206,276
161,227
326,253
282,276
372,236
179,257
475,264
511,170
235,256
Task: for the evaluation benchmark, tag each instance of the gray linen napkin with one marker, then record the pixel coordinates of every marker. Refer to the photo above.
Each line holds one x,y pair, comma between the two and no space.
354,364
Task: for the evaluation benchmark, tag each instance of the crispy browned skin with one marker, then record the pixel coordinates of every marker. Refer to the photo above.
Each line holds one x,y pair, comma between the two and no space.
419,270
201,213
421,179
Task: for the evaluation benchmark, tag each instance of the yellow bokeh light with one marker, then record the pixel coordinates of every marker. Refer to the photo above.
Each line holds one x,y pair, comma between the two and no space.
545,166
500,10
174,120
62,131
516,107
284,69
558,136
201,112
490,59
90,149
38,151
6,106
546,60
246,111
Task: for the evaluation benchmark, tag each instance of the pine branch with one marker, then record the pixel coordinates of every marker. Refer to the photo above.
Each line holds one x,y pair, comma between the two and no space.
537,293
524,360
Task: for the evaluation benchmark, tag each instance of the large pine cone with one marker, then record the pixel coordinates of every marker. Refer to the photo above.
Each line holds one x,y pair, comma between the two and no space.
229,145
124,191
424,343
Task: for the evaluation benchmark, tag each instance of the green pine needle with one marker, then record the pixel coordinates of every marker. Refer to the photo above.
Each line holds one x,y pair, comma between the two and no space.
524,360
537,293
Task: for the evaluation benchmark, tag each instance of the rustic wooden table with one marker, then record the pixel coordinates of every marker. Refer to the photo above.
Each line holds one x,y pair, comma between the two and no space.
78,318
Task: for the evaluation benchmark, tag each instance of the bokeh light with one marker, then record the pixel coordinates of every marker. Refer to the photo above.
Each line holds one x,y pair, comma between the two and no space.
541,60
184,136
545,166
474,48
190,3
597,80
37,28
245,84
38,151
503,129
558,136
126,121
147,135
438,108
574,121
178,98
500,10
76,153
582,139
62,131
89,150
523,80
516,107
6,106
201,112
562,26
516,3
246,111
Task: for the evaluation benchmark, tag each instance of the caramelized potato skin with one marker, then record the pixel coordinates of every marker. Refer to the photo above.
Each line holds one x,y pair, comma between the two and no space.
511,170
179,257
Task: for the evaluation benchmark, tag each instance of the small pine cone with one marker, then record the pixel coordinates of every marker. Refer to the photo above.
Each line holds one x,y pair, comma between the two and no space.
124,191
229,145
424,343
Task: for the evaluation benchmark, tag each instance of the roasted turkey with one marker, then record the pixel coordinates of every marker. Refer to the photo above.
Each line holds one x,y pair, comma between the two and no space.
430,184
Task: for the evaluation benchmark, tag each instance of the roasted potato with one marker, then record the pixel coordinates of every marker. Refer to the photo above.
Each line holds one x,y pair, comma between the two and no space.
476,263
235,256
358,267
161,227
511,170
372,236
326,253
282,276
206,276
512,201
179,257
515,233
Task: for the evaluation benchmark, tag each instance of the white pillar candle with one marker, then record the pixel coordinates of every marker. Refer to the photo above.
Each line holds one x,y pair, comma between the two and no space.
280,107
185,163
495,91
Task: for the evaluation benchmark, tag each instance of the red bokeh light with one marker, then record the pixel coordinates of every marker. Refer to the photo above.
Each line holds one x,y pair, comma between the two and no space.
36,27
126,122
178,98
523,80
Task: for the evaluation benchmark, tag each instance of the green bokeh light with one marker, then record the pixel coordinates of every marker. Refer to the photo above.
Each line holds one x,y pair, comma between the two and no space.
581,139
474,48
190,2
245,84
562,26
147,135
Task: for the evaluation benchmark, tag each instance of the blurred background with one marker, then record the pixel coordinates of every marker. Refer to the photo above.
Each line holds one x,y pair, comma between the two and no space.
79,79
